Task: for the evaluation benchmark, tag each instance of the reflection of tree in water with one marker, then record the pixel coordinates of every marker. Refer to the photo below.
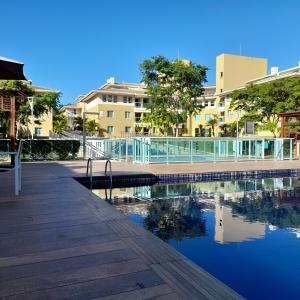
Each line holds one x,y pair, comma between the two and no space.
267,209
175,218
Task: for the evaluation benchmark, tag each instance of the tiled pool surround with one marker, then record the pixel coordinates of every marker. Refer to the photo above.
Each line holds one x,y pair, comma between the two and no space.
150,179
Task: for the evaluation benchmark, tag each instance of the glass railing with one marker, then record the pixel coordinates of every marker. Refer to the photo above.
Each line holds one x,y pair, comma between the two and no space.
168,150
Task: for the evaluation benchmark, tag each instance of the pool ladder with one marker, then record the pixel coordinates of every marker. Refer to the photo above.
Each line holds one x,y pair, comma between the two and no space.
89,171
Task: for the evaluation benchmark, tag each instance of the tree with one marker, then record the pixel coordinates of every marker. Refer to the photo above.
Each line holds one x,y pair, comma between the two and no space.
78,123
213,122
262,102
43,102
229,129
91,126
174,88
59,122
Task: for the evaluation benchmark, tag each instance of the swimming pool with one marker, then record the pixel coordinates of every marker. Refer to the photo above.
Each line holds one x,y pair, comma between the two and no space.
244,232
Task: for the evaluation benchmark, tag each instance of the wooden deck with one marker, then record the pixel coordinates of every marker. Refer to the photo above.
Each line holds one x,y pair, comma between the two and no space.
59,241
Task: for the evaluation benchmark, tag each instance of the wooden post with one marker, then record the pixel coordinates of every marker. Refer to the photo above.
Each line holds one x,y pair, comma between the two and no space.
282,127
12,127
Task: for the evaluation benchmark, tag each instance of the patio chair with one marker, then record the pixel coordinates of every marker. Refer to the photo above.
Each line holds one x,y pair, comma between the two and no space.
16,166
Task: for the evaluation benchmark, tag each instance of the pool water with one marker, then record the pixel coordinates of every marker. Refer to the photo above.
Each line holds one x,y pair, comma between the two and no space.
245,233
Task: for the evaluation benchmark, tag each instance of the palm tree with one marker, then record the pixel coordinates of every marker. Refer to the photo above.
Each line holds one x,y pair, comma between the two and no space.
212,123
91,126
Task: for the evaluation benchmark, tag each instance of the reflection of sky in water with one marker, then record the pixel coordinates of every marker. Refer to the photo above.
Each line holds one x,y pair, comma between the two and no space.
245,233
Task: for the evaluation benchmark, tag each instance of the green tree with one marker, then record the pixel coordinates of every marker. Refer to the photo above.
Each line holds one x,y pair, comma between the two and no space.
261,103
229,129
78,123
213,122
43,102
59,122
91,126
174,88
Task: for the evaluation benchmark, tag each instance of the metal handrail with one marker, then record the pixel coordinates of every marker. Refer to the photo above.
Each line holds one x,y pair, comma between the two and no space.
89,171
108,162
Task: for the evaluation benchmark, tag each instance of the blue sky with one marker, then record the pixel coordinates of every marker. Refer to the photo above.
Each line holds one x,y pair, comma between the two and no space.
73,46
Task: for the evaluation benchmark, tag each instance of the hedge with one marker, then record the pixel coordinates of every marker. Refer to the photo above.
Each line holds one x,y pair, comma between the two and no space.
46,149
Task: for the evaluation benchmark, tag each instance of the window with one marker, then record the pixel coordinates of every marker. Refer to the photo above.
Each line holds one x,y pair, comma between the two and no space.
127,129
221,90
197,117
110,129
146,101
101,113
206,103
197,131
207,117
127,99
212,103
229,114
138,102
115,98
127,114
37,131
138,117
104,99
222,102
109,98
110,114
222,116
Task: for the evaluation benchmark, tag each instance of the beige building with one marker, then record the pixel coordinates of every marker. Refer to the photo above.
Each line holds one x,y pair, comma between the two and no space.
232,72
121,106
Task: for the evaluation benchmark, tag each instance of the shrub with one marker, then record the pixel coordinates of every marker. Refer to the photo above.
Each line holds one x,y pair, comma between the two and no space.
50,149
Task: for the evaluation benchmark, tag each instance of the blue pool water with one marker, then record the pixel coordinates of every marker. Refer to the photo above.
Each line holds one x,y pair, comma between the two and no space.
245,233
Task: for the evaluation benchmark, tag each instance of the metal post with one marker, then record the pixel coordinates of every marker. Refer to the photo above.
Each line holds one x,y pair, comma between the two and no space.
167,150
237,135
126,150
84,136
191,150
291,149
30,100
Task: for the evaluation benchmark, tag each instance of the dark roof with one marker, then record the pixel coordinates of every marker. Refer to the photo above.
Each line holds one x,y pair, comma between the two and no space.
11,70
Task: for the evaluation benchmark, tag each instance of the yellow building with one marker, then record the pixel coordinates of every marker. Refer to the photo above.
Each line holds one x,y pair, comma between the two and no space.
232,72
121,106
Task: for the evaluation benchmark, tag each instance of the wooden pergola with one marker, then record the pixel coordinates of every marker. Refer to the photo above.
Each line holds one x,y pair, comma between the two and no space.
8,104
11,70
284,118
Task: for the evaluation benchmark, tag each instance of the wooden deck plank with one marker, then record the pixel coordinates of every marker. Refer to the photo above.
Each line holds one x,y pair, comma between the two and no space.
142,294
86,249
99,286
66,264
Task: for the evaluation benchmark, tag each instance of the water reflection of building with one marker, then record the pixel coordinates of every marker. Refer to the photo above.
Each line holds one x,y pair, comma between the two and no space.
232,228
217,196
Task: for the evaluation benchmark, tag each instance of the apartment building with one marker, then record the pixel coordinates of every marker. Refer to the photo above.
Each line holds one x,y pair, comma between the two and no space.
121,107
232,72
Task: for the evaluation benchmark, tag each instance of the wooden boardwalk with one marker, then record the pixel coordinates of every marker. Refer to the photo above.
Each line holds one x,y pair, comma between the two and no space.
59,241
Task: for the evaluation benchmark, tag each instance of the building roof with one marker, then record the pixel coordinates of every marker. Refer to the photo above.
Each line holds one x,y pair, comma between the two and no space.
41,89
11,69
10,60
291,72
